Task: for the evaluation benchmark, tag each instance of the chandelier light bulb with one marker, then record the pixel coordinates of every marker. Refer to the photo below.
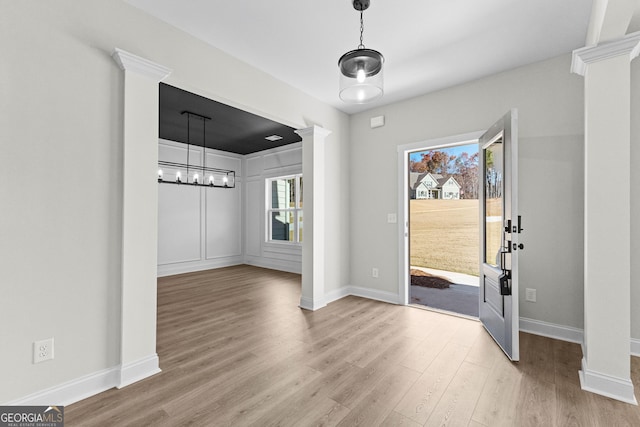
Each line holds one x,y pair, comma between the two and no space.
361,75
160,174
178,177
195,178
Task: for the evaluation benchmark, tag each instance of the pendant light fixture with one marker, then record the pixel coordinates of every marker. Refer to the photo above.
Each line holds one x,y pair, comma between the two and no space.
361,69
193,174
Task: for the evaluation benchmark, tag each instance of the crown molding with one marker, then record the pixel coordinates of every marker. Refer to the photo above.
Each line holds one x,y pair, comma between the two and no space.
627,45
129,62
314,131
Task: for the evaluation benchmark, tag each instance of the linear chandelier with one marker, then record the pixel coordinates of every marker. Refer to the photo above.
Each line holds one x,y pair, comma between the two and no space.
361,79
193,174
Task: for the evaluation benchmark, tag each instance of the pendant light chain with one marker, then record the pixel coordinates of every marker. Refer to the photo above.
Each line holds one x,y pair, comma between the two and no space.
188,143
361,45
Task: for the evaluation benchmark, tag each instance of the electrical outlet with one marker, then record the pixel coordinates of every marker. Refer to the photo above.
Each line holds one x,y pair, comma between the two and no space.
42,350
374,272
530,295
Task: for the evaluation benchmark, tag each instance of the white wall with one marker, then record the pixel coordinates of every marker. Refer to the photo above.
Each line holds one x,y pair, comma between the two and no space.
258,167
198,227
61,183
635,201
550,104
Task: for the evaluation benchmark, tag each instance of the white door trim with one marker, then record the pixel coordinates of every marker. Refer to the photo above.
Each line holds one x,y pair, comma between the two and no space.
403,200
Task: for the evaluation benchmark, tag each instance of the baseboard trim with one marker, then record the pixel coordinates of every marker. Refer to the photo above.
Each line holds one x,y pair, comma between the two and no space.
606,385
355,291
274,264
311,304
374,294
531,326
192,266
336,294
72,391
140,369
89,385
551,330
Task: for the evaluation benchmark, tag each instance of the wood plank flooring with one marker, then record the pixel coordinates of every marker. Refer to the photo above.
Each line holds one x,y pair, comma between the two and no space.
235,350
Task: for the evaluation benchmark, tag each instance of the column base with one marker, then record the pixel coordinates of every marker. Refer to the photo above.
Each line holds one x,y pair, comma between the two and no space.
140,369
606,385
311,304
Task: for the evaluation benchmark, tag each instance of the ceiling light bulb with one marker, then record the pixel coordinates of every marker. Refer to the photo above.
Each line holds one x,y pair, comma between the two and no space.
361,76
178,176
211,179
195,178
159,173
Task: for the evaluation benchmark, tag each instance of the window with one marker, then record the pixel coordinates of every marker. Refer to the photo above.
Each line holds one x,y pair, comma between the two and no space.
284,209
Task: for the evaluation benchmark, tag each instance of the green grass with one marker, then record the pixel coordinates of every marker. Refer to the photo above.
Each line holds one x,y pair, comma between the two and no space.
444,235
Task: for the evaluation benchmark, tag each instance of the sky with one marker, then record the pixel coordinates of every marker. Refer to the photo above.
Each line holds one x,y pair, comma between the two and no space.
456,151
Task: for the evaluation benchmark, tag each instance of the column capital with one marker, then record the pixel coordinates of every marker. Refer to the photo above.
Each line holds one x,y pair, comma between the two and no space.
314,130
627,45
129,62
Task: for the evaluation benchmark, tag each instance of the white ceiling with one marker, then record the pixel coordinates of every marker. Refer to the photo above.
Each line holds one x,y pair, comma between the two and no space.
428,45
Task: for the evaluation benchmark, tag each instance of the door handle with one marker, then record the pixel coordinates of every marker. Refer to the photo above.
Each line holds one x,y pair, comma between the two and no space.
503,280
518,246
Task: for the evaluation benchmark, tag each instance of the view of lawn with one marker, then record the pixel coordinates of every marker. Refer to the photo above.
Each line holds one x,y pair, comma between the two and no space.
444,235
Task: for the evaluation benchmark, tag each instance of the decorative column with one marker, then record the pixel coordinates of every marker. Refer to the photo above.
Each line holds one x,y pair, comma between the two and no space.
313,243
138,357
607,244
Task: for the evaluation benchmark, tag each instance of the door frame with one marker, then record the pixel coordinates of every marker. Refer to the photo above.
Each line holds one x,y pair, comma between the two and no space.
403,199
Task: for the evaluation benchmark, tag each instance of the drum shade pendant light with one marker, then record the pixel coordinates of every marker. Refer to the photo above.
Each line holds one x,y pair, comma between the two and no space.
361,69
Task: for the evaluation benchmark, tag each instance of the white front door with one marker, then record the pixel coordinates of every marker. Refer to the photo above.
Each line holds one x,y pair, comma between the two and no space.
499,229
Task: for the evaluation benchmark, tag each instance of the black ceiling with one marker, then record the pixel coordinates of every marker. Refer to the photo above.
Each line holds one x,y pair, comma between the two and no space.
229,129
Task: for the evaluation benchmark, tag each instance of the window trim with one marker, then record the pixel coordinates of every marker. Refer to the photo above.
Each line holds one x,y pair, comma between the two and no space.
297,210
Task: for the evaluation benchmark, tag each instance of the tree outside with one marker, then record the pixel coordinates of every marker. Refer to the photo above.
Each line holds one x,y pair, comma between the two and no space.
444,233
460,162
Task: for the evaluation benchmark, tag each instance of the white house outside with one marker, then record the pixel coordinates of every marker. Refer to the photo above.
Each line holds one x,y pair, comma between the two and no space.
433,186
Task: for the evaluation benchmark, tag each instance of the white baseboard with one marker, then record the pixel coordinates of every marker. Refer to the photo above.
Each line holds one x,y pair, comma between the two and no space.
373,294
345,291
552,330
311,304
72,391
565,333
91,384
274,264
532,326
139,370
606,385
191,266
336,294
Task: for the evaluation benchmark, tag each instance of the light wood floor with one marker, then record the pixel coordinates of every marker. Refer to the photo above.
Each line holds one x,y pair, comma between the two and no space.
235,350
